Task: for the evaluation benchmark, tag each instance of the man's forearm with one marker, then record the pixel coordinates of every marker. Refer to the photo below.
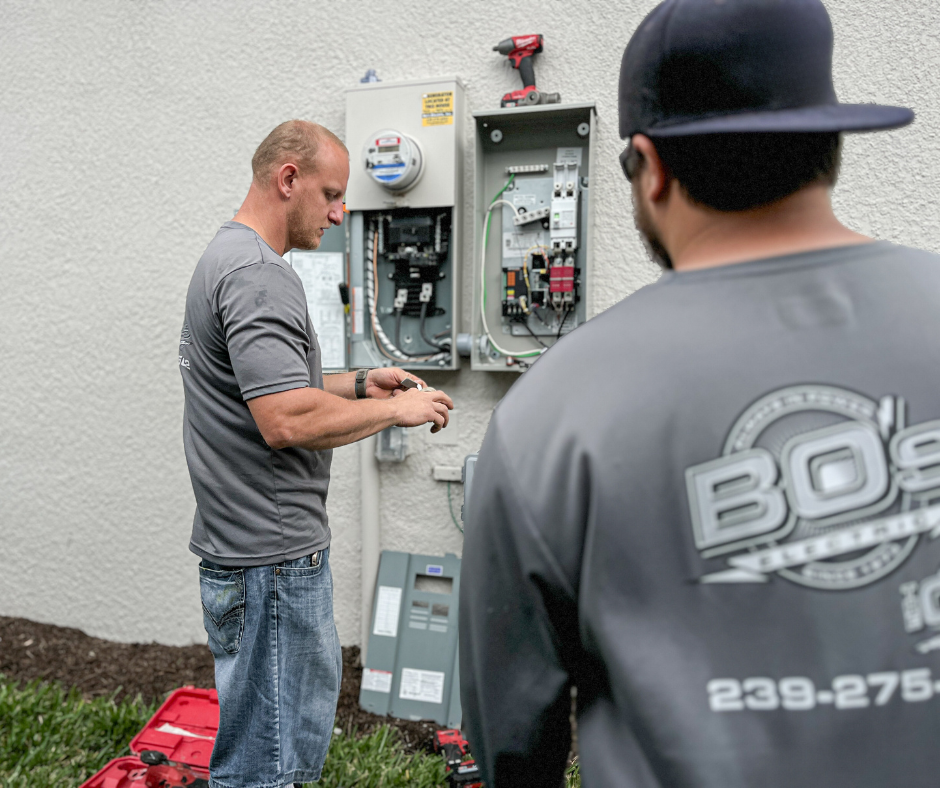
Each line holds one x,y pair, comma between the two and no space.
313,419
342,384
353,422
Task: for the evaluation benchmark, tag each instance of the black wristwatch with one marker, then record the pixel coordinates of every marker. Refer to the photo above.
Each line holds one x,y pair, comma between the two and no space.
361,376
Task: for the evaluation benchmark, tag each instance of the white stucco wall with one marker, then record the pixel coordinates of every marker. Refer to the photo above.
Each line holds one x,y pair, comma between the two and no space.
126,132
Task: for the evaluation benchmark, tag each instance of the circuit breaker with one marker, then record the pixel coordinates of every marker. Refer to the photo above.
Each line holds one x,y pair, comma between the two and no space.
404,191
533,231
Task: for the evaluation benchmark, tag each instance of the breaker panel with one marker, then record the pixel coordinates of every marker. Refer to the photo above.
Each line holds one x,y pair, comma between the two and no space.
533,228
403,196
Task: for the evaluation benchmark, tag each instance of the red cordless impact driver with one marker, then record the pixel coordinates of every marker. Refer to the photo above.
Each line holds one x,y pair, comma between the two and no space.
520,50
460,773
164,773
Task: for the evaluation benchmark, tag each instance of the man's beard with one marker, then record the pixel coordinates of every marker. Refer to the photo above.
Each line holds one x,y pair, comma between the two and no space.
300,233
651,240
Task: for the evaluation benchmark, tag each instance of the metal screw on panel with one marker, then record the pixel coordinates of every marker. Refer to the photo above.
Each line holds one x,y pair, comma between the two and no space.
584,129
496,135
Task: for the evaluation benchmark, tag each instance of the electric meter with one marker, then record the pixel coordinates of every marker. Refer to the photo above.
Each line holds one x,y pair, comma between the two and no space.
393,159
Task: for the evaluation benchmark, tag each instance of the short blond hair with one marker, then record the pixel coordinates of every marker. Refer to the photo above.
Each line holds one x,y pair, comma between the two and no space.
293,140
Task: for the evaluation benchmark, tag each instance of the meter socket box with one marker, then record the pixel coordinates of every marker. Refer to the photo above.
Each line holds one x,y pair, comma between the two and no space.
405,143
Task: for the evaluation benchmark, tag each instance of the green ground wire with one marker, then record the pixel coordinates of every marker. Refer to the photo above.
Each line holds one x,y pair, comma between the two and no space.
486,238
508,183
450,506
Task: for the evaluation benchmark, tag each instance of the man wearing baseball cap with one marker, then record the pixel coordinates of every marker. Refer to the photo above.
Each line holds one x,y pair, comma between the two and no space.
726,538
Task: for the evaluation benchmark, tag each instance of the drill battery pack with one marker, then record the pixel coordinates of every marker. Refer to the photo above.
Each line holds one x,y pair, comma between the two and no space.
172,750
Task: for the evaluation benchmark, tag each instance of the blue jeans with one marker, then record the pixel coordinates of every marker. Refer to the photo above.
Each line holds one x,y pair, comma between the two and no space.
278,666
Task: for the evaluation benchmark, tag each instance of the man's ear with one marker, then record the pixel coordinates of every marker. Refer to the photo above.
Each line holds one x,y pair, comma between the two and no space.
286,175
653,176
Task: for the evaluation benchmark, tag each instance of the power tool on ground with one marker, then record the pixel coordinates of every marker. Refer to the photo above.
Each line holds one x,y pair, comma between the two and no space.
454,747
520,50
164,773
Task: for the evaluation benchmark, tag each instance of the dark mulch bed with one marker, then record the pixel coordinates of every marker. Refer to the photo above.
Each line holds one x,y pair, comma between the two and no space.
29,650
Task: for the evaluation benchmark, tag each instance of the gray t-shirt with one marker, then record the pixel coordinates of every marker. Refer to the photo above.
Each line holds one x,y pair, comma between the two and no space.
246,333
714,509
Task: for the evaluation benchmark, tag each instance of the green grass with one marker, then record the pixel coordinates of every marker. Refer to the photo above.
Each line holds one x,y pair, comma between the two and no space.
53,737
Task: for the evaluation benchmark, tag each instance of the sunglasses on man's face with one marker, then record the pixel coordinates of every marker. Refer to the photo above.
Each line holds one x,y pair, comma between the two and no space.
630,161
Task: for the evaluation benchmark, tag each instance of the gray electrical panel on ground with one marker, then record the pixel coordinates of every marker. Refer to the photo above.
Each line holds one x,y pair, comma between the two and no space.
533,222
411,671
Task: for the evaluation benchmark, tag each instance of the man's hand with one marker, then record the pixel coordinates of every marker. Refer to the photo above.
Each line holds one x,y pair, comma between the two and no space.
382,382
415,408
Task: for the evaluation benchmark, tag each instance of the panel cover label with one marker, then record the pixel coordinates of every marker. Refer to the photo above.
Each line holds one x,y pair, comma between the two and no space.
437,109
423,685
376,680
386,611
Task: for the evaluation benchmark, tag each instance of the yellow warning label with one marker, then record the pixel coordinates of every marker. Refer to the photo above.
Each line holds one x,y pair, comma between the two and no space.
437,109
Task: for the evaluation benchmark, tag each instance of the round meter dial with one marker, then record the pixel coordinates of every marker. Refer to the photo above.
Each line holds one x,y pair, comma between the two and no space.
393,159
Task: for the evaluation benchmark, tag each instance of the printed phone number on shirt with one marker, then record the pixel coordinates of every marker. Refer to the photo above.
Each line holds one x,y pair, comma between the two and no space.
798,693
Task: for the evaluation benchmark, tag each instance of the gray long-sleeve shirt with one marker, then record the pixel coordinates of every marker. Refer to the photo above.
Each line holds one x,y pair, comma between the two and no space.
714,509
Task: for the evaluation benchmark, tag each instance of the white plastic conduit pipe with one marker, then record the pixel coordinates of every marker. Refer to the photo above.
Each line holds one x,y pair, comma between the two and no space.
371,533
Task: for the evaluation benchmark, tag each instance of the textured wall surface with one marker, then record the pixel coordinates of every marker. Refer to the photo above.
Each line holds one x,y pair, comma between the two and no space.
126,133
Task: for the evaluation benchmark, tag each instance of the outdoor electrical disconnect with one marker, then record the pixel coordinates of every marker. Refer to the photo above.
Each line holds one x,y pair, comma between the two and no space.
406,151
533,231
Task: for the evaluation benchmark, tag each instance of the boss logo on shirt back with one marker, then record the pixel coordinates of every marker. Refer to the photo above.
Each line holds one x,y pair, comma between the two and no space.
820,485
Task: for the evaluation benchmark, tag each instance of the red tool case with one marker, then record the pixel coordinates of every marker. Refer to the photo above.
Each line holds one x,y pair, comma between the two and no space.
183,729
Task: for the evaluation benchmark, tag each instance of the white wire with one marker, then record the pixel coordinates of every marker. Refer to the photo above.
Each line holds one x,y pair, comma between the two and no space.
376,325
486,328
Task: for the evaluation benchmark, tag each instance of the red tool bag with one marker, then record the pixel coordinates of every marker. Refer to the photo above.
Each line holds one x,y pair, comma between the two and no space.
173,749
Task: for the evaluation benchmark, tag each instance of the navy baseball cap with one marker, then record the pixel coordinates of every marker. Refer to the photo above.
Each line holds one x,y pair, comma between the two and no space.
720,66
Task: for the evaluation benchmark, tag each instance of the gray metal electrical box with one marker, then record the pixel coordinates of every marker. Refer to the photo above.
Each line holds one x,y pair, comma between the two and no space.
411,671
533,221
406,152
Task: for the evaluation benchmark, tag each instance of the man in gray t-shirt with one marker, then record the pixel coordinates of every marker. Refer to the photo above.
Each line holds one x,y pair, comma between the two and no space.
260,424
714,508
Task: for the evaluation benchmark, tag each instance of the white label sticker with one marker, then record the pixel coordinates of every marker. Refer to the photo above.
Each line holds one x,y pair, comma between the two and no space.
516,244
376,680
569,156
386,611
321,274
423,685
358,325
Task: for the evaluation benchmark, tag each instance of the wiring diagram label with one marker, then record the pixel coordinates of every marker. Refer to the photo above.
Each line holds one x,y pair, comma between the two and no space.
321,273
387,609
422,685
